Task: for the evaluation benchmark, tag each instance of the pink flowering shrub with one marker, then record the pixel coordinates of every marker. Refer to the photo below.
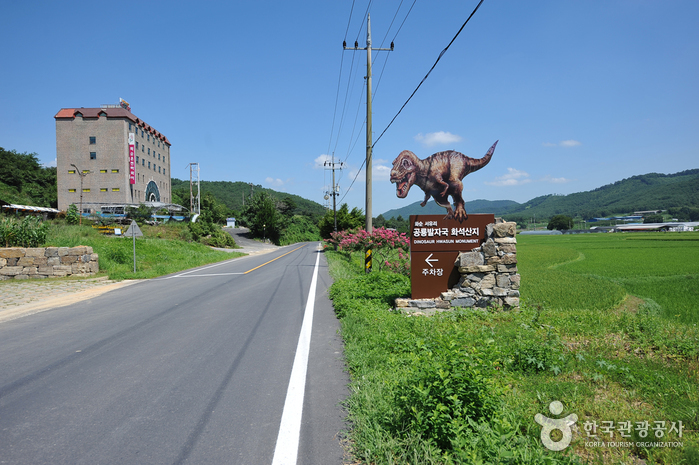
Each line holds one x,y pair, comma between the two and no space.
388,247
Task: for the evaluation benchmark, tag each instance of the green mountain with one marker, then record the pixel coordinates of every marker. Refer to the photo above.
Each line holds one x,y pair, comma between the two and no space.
233,194
475,206
653,191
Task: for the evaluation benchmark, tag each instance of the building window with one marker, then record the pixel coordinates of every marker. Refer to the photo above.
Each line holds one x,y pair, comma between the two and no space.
93,140
148,137
148,151
141,132
158,156
148,165
103,171
143,161
158,169
71,171
71,190
136,145
115,171
137,159
86,171
87,189
115,189
103,189
93,155
163,170
129,126
143,148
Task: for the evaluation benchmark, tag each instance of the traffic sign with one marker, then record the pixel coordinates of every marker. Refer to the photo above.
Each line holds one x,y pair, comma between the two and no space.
134,230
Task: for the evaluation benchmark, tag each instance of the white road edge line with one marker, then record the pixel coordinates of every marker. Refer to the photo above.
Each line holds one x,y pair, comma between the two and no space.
286,450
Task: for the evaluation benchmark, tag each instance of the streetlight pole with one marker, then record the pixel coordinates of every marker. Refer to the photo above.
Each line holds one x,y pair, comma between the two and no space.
82,175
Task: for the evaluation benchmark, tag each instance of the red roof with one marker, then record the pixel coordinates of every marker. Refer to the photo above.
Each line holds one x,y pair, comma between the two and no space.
111,113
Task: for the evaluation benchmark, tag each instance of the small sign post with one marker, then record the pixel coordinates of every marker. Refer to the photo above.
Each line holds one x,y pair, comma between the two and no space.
134,231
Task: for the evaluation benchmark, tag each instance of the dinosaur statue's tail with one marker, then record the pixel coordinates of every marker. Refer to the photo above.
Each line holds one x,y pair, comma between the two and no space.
478,163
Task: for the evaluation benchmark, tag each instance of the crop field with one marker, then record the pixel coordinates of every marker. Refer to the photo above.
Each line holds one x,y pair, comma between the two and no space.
595,271
608,327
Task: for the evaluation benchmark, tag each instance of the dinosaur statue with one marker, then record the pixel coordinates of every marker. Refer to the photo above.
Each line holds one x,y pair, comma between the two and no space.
439,175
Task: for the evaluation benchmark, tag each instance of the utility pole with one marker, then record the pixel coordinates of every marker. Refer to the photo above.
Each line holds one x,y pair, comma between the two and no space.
369,144
335,191
82,175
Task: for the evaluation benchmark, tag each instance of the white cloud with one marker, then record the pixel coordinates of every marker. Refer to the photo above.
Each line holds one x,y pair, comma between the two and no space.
563,143
437,138
553,180
570,143
514,177
51,164
381,172
274,182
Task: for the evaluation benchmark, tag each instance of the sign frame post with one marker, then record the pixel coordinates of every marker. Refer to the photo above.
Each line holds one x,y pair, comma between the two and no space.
135,232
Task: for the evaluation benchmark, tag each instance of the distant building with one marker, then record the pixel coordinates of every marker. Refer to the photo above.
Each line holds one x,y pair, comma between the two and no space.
96,142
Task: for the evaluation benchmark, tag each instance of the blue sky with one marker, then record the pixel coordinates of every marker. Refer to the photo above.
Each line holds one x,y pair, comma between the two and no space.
579,93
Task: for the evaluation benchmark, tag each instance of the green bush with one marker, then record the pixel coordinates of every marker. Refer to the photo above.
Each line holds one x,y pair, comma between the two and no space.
29,232
72,215
446,387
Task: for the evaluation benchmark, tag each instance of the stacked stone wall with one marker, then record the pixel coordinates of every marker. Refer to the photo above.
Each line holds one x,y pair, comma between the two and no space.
489,276
47,262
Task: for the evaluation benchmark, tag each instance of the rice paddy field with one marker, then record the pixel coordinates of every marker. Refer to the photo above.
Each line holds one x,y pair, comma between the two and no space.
597,271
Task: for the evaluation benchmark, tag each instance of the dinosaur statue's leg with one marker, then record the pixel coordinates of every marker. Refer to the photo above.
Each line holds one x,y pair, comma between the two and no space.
427,197
443,201
460,213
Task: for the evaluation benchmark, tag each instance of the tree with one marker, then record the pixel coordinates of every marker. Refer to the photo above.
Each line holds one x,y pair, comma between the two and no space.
262,217
560,222
657,218
346,220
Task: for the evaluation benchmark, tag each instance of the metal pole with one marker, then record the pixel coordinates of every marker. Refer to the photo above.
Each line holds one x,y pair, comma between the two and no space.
82,175
133,236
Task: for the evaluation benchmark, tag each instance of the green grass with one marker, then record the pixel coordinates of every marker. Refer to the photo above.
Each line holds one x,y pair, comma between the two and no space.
600,269
155,256
596,332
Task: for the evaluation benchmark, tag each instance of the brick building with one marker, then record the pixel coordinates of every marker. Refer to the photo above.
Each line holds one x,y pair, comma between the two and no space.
95,141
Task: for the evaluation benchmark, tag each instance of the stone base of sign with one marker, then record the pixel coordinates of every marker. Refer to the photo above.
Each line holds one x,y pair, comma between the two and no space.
47,262
489,276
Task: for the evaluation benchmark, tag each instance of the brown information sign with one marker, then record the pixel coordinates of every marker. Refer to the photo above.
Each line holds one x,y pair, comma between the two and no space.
435,243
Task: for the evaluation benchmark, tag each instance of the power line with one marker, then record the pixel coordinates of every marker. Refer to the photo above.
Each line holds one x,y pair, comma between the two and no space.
430,71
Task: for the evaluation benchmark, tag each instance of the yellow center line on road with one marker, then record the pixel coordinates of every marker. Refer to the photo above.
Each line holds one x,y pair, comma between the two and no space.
275,259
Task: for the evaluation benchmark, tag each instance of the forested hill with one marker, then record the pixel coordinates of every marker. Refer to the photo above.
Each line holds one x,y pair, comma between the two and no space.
652,191
24,181
475,206
233,193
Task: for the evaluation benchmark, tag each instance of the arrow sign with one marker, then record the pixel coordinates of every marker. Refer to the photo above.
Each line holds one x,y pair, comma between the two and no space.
430,259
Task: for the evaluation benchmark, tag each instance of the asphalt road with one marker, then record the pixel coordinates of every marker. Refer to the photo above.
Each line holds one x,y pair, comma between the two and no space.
193,367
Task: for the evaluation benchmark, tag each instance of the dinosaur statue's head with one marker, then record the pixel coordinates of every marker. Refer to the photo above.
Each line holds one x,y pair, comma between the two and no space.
404,172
